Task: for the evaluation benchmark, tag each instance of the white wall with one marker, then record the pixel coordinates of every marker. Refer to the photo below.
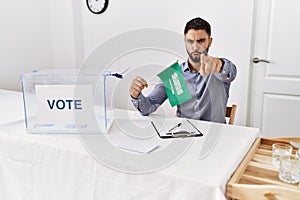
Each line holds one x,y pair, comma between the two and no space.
34,35
60,34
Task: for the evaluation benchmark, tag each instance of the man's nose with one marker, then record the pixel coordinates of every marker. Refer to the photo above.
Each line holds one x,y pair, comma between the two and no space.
197,47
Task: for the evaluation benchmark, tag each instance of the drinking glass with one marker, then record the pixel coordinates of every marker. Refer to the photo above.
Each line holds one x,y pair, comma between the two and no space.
297,155
289,170
279,151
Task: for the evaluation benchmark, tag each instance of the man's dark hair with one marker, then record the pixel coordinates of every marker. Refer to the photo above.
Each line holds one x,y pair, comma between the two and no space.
198,24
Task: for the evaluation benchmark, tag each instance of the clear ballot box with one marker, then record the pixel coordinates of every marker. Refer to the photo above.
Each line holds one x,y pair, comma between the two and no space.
65,101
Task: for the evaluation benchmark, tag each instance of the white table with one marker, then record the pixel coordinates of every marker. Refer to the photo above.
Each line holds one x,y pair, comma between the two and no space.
57,166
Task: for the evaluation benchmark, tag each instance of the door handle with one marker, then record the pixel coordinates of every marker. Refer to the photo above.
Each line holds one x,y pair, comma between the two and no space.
257,60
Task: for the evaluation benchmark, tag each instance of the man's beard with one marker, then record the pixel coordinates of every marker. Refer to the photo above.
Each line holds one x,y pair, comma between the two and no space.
197,59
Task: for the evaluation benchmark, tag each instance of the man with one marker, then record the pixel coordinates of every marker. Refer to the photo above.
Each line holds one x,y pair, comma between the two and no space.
208,79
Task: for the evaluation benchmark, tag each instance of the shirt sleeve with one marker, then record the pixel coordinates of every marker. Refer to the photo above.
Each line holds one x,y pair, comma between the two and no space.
149,104
228,71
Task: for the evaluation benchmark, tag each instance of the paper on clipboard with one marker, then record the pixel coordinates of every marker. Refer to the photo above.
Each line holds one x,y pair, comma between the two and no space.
176,129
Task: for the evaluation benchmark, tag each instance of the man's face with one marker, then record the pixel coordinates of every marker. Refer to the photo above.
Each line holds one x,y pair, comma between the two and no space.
196,43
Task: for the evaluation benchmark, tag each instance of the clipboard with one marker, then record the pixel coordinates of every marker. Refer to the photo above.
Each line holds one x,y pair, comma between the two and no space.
178,134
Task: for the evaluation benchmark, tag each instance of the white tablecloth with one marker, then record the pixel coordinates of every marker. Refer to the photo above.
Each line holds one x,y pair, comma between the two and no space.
57,166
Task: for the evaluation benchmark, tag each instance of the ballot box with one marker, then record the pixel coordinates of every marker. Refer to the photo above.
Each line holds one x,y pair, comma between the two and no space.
65,101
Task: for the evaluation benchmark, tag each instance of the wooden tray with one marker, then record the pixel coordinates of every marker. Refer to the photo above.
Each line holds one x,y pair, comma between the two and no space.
257,179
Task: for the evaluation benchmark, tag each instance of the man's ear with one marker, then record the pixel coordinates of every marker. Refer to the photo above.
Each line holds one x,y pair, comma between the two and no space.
210,41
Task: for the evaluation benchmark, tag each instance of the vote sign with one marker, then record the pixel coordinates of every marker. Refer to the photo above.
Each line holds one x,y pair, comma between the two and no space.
58,104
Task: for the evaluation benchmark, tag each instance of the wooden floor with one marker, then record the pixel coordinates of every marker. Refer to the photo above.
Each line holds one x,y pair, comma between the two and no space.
256,178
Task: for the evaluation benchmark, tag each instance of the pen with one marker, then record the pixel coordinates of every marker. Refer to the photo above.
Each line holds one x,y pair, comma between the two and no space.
178,125
181,133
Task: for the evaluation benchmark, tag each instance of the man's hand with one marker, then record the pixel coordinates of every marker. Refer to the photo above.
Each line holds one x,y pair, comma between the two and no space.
137,85
210,65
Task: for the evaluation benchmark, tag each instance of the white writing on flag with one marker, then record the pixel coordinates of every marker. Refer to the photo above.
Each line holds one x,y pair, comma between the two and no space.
177,83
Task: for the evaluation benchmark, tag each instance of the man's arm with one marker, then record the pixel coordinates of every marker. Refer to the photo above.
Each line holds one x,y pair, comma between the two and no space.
223,69
227,71
149,104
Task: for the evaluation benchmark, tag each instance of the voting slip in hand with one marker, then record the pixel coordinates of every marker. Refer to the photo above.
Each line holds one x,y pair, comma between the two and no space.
175,85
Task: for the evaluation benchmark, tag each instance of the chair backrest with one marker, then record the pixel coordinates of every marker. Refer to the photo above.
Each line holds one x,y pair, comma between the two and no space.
230,113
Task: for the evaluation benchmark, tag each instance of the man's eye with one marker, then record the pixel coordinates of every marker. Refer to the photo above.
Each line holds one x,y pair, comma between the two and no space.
201,40
190,41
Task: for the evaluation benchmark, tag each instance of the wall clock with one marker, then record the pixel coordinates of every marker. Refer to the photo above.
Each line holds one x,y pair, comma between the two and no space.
97,6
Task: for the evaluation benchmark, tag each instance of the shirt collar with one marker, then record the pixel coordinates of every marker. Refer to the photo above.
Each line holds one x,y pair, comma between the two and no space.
185,66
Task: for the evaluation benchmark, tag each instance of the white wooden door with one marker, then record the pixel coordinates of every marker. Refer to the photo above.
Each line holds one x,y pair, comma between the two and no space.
275,94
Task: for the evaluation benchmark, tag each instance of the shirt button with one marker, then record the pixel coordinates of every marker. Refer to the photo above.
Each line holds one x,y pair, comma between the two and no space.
197,87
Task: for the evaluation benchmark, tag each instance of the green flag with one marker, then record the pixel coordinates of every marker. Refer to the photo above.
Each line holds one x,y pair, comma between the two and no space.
175,85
